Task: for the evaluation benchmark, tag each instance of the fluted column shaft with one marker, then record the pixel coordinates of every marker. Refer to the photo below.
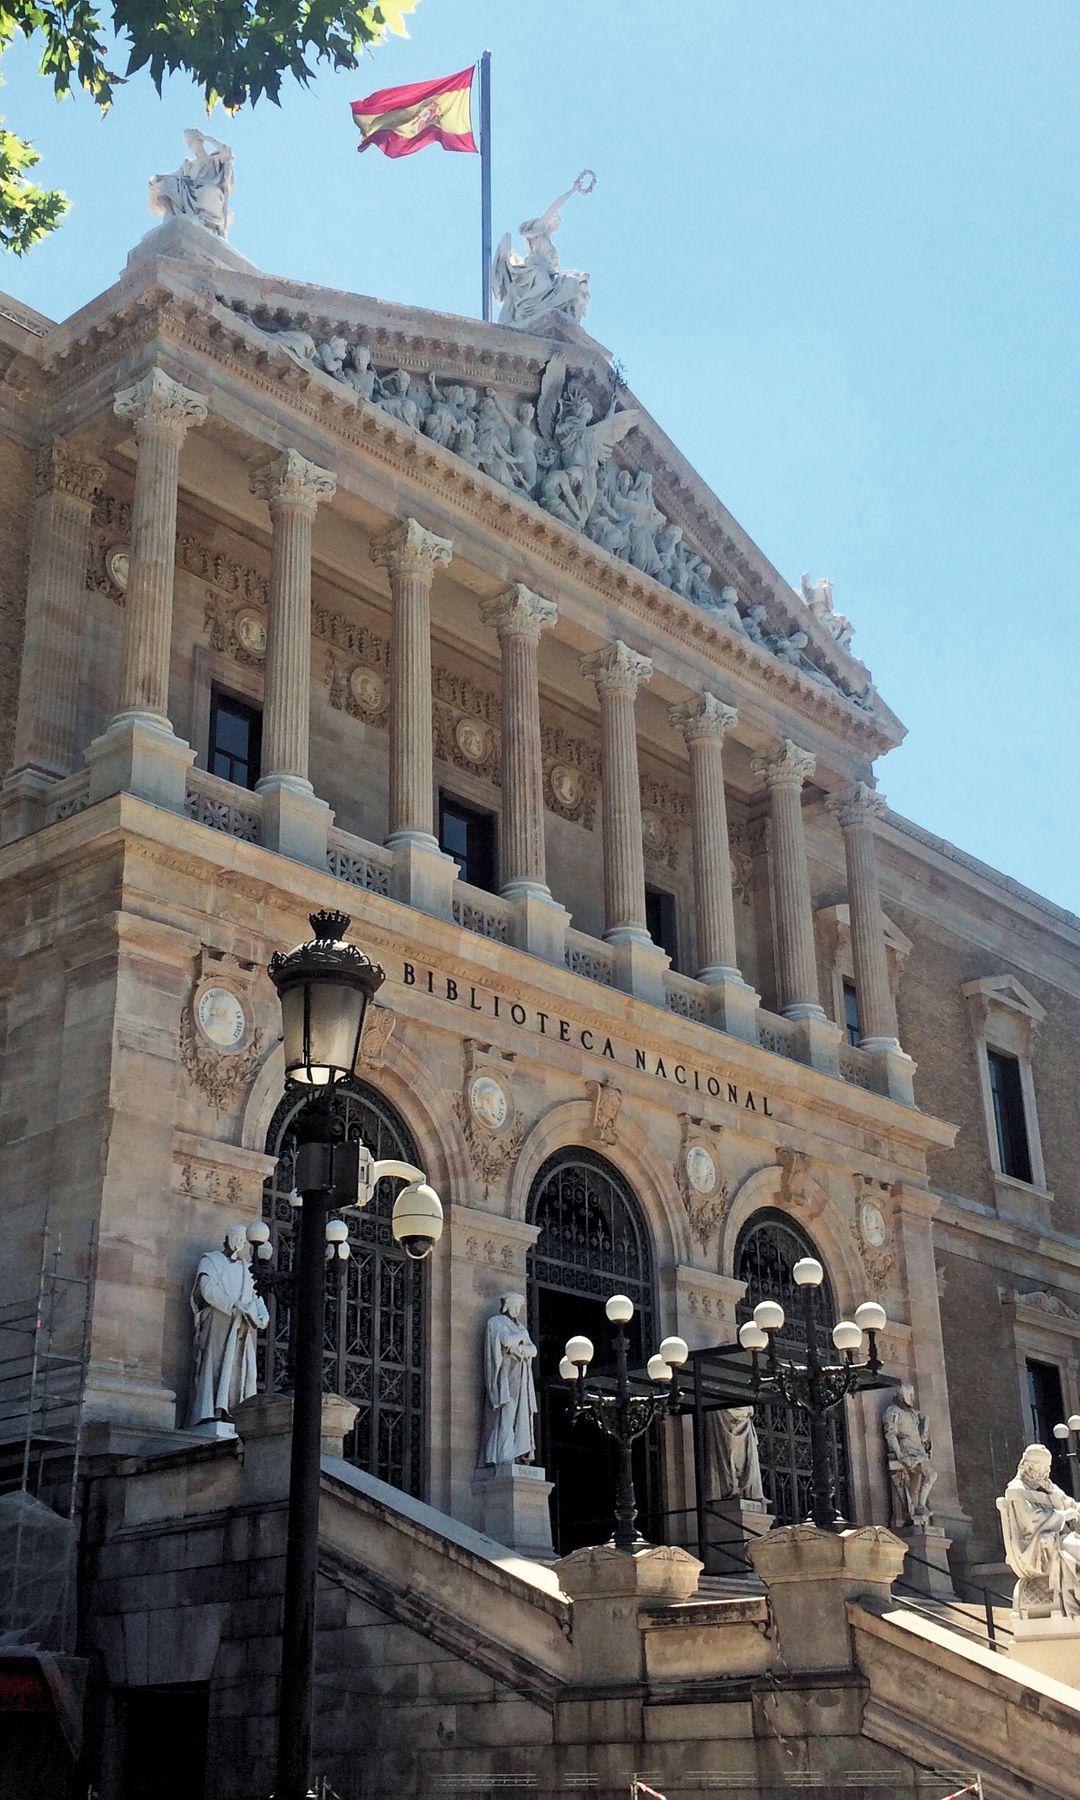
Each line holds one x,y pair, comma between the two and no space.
162,412
797,972
411,555
292,488
67,484
857,809
703,723
519,616
616,672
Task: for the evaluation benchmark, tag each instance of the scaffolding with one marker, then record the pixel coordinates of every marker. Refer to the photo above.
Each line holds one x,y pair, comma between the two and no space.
44,1351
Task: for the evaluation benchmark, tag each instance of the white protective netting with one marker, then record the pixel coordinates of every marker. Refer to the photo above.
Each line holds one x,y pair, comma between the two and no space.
37,1552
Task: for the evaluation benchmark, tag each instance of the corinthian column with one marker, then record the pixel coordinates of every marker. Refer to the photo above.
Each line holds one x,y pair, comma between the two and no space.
857,808
616,671
703,723
67,485
292,488
162,413
519,616
784,773
411,555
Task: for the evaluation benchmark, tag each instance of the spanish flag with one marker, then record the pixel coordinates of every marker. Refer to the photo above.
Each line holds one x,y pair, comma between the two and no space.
403,119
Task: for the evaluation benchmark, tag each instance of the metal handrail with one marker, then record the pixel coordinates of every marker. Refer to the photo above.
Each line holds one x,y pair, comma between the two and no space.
933,1609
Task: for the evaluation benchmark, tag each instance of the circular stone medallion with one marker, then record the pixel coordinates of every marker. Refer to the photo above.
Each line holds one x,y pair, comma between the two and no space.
700,1169
118,566
565,784
473,739
872,1224
251,631
654,833
220,1016
368,689
488,1102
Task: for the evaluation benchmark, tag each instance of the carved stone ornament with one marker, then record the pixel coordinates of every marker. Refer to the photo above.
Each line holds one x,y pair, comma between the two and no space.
742,866
236,631
857,806
219,1043
606,1104
794,1166
1039,1300
787,767
118,565
158,403
356,689
407,549
616,669
492,1126
68,468
705,1194
291,480
378,1027
874,1238
474,740
571,776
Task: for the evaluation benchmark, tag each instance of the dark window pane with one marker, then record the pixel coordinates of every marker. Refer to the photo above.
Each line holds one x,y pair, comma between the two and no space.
165,1742
660,919
1009,1120
851,1013
1046,1408
469,837
235,739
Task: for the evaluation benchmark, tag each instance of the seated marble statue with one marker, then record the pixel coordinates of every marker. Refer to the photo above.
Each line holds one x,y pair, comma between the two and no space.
534,287
509,1389
200,188
1042,1545
228,1314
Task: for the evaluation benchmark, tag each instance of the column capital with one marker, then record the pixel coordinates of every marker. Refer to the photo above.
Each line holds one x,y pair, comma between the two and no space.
66,467
787,767
703,717
294,480
857,805
407,549
616,669
518,612
158,400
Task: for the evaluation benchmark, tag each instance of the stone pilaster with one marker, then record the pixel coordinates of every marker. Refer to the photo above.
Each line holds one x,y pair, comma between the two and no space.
68,481
703,722
140,752
856,808
294,821
616,671
422,876
784,772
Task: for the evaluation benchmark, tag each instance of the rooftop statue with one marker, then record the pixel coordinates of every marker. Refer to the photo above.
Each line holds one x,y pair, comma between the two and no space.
533,287
200,188
818,597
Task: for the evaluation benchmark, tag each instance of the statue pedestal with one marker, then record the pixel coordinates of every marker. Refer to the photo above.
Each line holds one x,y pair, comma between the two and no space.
513,1504
729,1528
811,1575
213,1428
927,1566
1049,1646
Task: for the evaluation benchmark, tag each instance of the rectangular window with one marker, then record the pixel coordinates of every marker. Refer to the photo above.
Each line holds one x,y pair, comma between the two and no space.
165,1734
469,837
851,1014
660,918
1046,1408
1009,1120
235,749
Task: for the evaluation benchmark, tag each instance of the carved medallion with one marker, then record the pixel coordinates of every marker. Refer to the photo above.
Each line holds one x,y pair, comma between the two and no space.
368,689
474,739
566,784
701,1170
219,1045
704,1193
492,1126
220,1017
872,1224
488,1102
118,565
250,627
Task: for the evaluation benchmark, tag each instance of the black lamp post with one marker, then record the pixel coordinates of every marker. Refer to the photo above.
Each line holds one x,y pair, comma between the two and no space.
325,987
814,1387
1063,1433
624,1413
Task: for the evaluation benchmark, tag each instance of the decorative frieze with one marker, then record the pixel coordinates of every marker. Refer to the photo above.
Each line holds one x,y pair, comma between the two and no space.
705,1193
238,631
571,775
358,689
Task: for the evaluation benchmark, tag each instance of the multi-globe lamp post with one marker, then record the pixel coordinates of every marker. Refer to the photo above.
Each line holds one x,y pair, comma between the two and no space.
324,987
1064,1433
624,1411
814,1387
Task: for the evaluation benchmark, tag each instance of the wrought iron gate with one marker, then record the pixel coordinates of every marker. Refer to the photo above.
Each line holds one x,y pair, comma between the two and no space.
769,1246
375,1349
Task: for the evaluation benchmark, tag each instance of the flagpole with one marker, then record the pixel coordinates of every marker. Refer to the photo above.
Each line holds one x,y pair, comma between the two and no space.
485,183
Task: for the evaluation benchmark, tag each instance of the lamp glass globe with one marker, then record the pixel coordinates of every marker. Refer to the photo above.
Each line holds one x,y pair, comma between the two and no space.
1061,1431
751,1336
674,1351
579,1350
808,1272
1073,1421
870,1316
567,1370
619,1309
657,1369
847,1335
769,1315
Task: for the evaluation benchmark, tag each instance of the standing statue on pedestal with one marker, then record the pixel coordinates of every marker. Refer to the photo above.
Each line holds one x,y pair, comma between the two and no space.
1042,1545
228,1313
200,188
533,287
734,1468
907,1440
509,1390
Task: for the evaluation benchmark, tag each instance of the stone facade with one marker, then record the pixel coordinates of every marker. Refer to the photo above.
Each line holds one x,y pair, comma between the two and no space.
409,628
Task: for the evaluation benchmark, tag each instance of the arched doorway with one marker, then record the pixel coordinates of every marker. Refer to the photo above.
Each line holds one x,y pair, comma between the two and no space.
769,1246
593,1242
375,1346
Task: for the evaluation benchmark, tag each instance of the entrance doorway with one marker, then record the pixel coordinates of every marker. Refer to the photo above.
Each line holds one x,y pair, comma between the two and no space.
593,1243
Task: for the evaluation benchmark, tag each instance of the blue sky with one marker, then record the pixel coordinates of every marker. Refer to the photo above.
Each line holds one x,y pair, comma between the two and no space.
835,246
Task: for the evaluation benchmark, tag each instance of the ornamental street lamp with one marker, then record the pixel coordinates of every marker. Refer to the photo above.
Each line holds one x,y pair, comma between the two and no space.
325,987
814,1387
1064,1433
622,1412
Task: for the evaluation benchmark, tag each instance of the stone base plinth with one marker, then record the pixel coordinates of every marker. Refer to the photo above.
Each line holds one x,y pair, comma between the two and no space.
733,1005
212,1428
894,1073
539,926
1050,1646
731,1526
816,1041
295,822
610,1589
120,1396
134,756
264,1423
811,1575
23,800
639,969
188,241
513,1506
927,1566
423,877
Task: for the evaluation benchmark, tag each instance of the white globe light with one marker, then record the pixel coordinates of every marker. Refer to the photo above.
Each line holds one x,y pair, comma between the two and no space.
567,1370
619,1309
769,1315
343,1252
579,1350
870,1316
674,1351
1073,1421
657,1369
336,1231
264,1252
257,1232
751,1336
846,1335
1061,1431
808,1272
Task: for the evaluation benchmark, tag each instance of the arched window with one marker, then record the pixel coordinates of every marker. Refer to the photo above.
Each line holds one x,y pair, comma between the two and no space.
769,1246
593,1242
375,1345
